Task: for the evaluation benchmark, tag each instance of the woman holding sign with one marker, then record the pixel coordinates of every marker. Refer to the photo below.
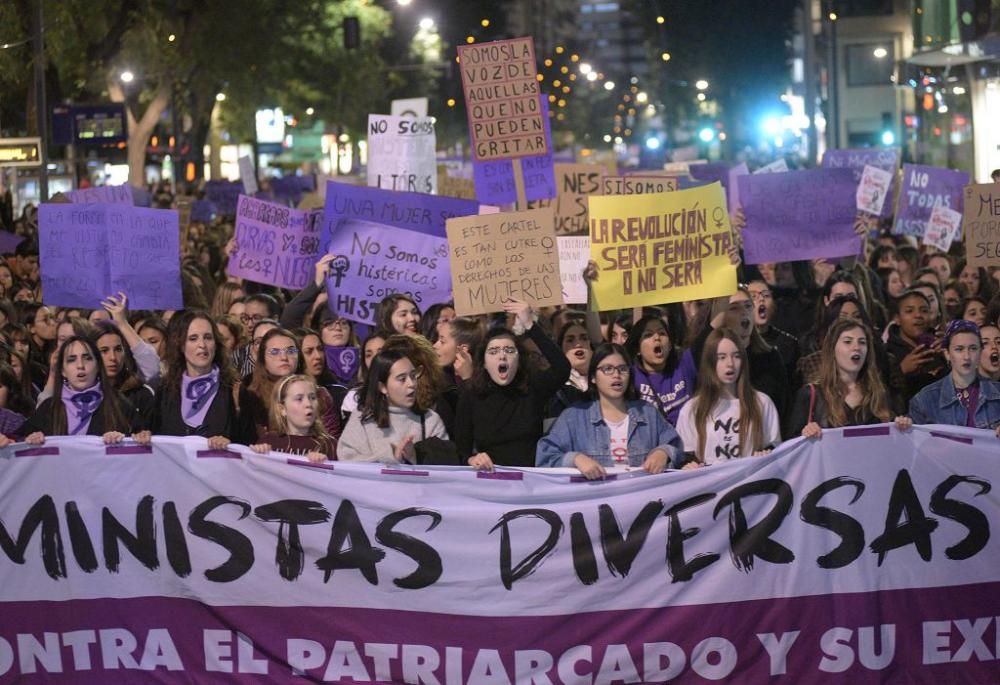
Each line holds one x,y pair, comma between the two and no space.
201,394
500,411
614,429
84,402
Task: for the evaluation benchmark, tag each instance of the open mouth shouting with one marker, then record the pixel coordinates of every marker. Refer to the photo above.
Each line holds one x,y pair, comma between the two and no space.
995,358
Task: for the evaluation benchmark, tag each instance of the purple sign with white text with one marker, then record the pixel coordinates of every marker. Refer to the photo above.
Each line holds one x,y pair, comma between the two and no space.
923,189
274,244
799,215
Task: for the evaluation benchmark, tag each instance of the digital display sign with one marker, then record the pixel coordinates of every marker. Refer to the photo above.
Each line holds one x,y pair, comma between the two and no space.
17,152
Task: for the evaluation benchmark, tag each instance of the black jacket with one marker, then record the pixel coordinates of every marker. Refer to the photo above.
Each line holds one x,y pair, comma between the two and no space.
223,417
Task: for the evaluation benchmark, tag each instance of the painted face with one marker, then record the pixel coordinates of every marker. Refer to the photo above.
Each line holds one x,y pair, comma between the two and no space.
313,355
281,356
112,353
612,377
405,318
300,407
154,339
975,312
739,316
913,316
336,332
941,266
851,350
401,386
445,346
79,366
373,346
654,345
763,303
501,360
969,277
963,354
849,310
199,347
989,360
618,334
728,362
44,324
576,347
934,312
895,285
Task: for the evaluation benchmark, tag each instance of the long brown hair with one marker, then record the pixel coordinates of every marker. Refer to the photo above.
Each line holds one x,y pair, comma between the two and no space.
177,331
262,382
111,411
432,381
834,390
710,391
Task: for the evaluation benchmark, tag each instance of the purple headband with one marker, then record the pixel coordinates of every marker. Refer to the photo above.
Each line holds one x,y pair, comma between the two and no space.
959,326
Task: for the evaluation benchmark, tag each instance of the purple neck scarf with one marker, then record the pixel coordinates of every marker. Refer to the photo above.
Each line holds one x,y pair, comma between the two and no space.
197,395
80,407
343,361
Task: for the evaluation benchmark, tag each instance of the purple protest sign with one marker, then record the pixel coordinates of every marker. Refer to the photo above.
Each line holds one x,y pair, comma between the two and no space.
113,195
9,242
495,180
799,215
923,189
88,252
224,195
417,212
275,245
886,159
375,260
724,173
202,211
144,255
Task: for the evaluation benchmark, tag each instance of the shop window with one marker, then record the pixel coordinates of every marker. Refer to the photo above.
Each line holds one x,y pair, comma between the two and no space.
870,64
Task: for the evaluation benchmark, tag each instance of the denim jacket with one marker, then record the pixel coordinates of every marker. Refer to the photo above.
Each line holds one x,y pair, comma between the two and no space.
581,429
937,403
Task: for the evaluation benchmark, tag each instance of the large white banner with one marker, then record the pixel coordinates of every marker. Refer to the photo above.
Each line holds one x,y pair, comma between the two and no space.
867,556
402,153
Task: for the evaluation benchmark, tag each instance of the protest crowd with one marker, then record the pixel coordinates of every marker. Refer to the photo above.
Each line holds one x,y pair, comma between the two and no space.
902,332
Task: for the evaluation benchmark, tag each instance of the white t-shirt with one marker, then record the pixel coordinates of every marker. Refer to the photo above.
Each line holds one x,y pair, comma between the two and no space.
722,436
619,441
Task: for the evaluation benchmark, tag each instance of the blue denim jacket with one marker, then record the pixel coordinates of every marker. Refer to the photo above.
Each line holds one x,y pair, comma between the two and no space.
937,403
581,429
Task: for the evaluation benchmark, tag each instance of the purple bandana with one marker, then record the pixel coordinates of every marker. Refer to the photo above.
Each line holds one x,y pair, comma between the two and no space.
80,407
197,395
343,361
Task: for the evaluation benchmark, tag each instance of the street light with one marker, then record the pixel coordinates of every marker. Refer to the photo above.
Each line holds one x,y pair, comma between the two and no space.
585,68
701,84
426,23
592,76
127,77
221,97
706,135
641,97
880,53
609,85
403,3
665,56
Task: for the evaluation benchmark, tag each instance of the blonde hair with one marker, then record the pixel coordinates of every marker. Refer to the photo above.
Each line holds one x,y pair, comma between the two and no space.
278,422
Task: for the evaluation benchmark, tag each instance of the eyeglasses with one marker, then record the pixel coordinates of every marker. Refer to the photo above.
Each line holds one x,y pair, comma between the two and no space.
494,351
276,352
255,318
610,370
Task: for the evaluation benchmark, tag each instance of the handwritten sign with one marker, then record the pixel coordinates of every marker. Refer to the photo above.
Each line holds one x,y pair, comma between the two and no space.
872,190
495,183
275,245
638,184
981,219
501,97
412,211
799,215
856,159
374,261
496,257
401,153
223,195
574,253
576,182
652,249
117,195
452,186
88,252
248,174
942,228
924,188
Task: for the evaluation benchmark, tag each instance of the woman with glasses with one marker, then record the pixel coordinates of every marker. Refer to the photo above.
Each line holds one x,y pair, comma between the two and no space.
614,429
500,410
278,355
391,419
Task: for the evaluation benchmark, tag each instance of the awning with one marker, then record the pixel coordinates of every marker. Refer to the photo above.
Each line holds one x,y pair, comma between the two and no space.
956,54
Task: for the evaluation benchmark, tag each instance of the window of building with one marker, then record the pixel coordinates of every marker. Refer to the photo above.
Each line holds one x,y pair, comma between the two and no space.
870,64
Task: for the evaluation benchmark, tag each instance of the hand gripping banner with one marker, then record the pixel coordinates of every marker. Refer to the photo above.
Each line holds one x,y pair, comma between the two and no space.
867,556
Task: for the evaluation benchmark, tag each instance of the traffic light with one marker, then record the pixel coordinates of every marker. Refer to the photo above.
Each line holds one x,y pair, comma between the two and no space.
974,19
352,33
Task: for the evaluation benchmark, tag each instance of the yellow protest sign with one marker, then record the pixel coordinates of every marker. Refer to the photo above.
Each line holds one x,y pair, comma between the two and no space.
654,249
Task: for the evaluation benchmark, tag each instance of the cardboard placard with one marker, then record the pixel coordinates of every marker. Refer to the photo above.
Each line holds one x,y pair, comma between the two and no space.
924,188
638,184
981,221
652,249
575,183
496,257
275,245
401,153
451,186
501,97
